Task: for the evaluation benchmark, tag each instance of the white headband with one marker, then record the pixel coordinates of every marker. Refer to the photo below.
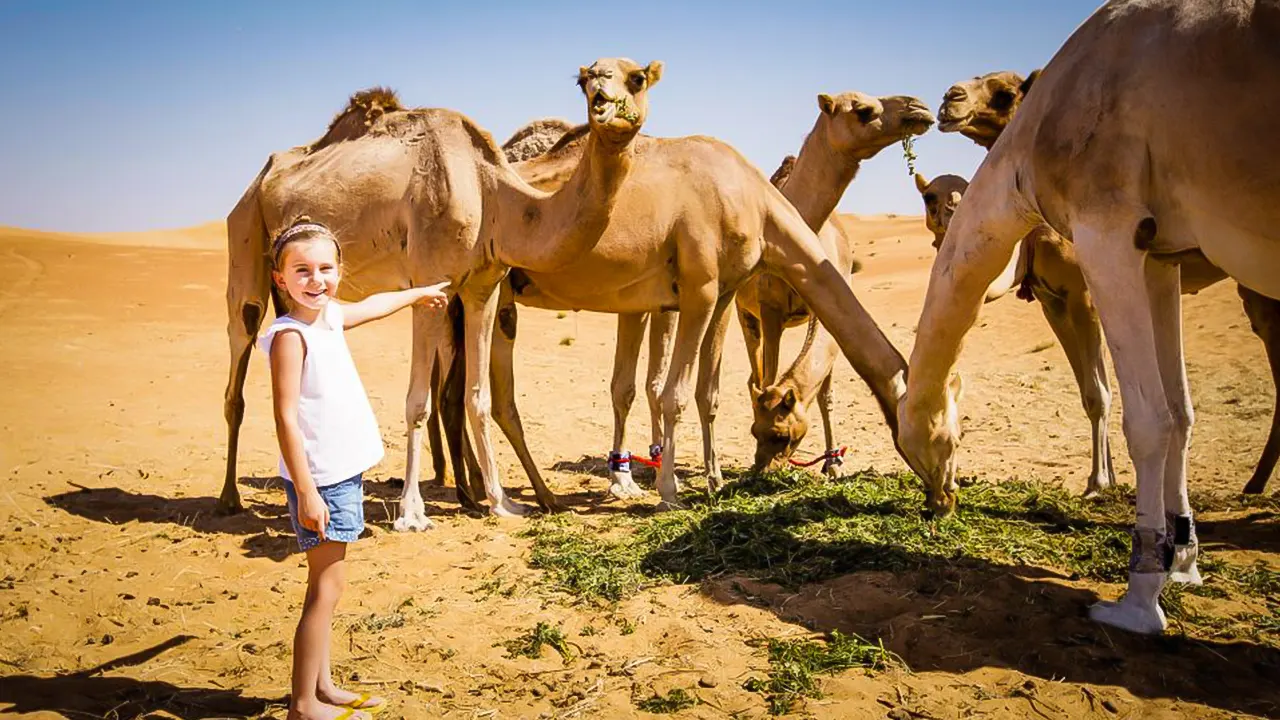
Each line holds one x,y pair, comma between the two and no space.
305,227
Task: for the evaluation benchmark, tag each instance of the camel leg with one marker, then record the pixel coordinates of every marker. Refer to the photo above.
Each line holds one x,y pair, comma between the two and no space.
751,334
696,309
1264,316
505,413
428,335
707,394
830,467
626,356
1075,323
771,322
439,463
467,486
480,309
662,327
1143,330
248,292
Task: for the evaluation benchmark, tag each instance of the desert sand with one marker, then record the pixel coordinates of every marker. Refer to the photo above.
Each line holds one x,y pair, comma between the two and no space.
123,593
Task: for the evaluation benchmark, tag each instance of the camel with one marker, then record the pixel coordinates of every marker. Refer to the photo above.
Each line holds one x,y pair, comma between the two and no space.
980,109
421,196
1137,161
695,221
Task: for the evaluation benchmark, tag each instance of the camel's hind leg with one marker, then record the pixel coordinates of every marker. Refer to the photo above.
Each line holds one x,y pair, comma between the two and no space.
707,394
439,463
751,334
622,389
248,292
1075,322
1264,316
1139,302
468,484
830,468
697,307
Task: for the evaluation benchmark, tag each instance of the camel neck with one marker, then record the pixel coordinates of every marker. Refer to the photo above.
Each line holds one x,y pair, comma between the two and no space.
812,365
820,177
544,232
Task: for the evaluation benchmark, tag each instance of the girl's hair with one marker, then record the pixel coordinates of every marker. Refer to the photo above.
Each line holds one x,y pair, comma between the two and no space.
303,229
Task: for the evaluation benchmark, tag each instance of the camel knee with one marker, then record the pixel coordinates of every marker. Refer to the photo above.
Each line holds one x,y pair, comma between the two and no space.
479,405
1096,401
1149,433
233,409
673,405
623,391
708,404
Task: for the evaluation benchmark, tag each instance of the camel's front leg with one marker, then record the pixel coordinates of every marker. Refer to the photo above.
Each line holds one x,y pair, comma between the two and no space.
662,333
751,334
830,468
1264,317
428,336
771,326
439,462
1076,325
697,304
503,377
1133,300
707,394
626,356
480,308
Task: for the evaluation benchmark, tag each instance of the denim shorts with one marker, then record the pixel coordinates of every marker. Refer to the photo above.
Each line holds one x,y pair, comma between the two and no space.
346,512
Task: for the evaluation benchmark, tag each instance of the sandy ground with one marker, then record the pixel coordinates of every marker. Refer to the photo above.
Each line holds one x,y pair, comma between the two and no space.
124,594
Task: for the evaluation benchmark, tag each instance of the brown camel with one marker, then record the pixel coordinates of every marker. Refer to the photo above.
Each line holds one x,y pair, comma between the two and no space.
1135,158
696,220
420,196
981,109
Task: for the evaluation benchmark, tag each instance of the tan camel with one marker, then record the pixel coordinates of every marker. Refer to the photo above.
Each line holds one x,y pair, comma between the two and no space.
695,221
1137,160
780,408
420,196
980,109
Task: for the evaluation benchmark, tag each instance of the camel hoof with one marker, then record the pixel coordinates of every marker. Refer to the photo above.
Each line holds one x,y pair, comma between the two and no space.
413,522
714,482
1129,616
509,508
229,508
619,491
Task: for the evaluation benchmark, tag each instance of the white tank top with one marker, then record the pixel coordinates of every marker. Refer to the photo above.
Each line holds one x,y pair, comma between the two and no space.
340,435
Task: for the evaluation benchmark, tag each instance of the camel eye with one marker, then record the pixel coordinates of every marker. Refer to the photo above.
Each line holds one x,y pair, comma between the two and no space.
1001,100
930,199
636,81
865,114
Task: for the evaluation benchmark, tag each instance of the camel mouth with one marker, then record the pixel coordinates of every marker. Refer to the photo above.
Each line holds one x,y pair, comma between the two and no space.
950,122
603,108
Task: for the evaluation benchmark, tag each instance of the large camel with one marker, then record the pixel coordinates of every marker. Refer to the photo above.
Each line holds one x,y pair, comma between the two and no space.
420,196
1127,149
1046,269
694,222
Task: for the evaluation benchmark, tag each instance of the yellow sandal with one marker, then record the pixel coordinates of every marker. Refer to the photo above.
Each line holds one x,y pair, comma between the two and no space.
359,704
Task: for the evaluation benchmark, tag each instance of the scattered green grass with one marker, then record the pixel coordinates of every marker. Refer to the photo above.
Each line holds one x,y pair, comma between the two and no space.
793,665
672,703
531,643
374,623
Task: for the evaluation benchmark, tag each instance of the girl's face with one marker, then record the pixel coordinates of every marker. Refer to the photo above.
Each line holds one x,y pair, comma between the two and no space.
309,273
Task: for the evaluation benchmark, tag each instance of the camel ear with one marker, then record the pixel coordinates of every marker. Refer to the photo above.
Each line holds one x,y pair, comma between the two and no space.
1025,87
827,104
954,197
921,183
653,72
788,401
756,392
582,76
956,386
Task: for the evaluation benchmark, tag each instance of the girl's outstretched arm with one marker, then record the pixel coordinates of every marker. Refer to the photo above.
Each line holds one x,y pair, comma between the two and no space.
287,353
381,305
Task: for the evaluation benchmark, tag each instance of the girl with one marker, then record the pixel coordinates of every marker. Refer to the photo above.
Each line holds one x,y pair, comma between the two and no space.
328,437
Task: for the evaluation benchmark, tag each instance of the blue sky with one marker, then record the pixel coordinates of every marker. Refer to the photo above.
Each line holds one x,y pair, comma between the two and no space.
136,115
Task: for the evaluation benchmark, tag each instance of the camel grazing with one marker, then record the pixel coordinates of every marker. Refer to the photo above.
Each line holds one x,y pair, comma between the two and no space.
980,109
1134,157
420,196
694,222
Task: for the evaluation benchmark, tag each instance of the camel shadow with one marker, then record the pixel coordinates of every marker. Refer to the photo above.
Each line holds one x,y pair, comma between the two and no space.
944,610
89,693
1259,531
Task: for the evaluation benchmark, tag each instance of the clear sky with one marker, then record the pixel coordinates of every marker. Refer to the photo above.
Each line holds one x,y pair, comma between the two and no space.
143,114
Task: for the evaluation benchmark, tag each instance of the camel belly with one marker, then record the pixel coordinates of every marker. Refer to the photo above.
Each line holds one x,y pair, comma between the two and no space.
599,287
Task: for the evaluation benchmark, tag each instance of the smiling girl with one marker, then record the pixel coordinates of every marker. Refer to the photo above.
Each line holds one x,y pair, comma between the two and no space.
328,438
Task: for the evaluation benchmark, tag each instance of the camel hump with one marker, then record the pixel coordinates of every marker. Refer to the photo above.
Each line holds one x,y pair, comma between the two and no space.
364,108
535,138
382,99
783,172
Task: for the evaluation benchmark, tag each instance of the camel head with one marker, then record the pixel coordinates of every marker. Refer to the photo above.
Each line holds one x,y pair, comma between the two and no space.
779,425
941,198
981,108
617,96
861,125
927,439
